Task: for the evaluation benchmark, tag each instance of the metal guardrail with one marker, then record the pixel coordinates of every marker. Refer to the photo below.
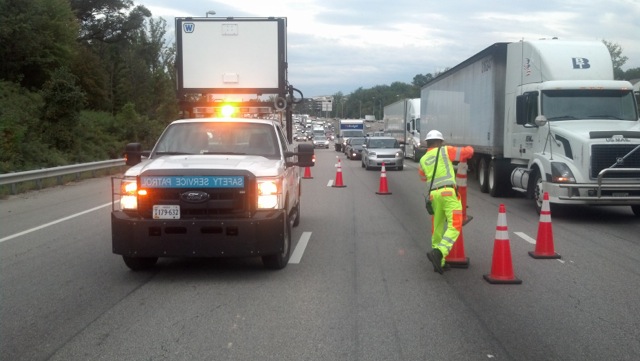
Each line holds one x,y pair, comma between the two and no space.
39,174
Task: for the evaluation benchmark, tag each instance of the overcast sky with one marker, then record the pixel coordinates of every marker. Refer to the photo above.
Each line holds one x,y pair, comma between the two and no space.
342,45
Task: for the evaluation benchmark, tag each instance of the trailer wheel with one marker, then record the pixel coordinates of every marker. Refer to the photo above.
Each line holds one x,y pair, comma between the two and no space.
279,261
498,178
483,175
636,210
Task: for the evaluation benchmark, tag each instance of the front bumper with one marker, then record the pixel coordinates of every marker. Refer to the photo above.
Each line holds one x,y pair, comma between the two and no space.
263,234
594,194
388,162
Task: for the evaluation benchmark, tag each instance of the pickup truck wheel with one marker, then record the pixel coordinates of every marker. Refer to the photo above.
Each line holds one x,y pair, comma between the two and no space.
636,210
280,260
296,210
483,175
139,263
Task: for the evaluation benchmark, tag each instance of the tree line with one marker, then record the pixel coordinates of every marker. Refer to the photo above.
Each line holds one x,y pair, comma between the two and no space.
79,79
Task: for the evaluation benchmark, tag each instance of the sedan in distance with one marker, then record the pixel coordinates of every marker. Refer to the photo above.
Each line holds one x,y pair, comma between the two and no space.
379,150
353,147
320,141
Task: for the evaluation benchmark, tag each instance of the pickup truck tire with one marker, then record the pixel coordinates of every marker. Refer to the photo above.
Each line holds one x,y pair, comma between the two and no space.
140,263
280,260
296,210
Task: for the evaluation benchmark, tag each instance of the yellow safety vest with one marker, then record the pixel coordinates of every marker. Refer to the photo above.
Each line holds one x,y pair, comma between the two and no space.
445,173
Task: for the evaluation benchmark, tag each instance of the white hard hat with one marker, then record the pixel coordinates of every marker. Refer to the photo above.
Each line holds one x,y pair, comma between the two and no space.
434,134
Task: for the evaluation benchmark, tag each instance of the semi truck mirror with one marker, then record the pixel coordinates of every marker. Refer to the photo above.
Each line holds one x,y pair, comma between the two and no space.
541,120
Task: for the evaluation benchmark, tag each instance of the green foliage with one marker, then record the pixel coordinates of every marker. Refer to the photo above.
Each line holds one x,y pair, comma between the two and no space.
63,100
37,37
616,58
19,110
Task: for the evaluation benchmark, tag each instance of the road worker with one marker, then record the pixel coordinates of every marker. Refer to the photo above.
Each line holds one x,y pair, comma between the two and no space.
436,169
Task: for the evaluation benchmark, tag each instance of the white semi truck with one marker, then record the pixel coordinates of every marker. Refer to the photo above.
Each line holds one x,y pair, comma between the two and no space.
542,116
402,121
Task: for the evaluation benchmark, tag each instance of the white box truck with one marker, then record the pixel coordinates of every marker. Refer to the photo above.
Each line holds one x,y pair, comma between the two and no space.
348,128
542,116
402,121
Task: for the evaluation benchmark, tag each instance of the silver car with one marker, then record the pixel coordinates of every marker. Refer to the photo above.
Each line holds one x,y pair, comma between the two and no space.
378,150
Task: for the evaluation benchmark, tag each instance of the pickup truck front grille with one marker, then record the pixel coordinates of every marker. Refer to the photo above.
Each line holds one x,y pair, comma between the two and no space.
210,203
605,155
221,202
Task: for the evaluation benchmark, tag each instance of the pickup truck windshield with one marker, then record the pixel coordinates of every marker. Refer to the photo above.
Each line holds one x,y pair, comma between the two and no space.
588,104
219,138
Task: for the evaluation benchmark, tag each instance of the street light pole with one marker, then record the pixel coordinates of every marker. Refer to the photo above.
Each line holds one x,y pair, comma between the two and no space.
210,12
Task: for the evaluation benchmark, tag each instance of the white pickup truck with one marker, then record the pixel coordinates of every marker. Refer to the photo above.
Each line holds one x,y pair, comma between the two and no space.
211,187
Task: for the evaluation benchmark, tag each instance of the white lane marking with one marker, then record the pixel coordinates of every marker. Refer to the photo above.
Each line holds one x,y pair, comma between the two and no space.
330,183
525,237
296,256
54,222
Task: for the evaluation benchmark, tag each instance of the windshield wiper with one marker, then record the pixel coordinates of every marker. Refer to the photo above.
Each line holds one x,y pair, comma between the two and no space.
173,153
603,116
225,153
562,117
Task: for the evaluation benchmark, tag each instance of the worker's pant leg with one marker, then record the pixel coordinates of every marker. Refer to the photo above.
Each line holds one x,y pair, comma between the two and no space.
451,209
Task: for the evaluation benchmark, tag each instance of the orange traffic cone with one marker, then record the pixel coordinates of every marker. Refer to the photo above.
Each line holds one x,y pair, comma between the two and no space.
307,173
456,257
384,188
544,241
501,266
338,183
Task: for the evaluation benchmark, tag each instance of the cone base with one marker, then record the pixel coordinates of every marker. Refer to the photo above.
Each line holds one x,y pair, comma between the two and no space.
335,186
307,177
544,256
383,193
493,280
458,262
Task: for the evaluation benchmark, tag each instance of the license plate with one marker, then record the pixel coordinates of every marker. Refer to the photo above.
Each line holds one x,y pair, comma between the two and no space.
620,194
166,212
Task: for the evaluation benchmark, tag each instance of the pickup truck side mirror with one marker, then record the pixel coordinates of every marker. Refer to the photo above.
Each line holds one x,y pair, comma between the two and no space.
133,154
306,156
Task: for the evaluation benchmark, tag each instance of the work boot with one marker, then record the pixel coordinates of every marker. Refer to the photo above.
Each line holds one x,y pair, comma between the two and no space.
435,256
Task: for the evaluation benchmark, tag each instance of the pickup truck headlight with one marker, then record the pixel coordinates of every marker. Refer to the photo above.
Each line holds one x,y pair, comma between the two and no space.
269,194
129,195
560,173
